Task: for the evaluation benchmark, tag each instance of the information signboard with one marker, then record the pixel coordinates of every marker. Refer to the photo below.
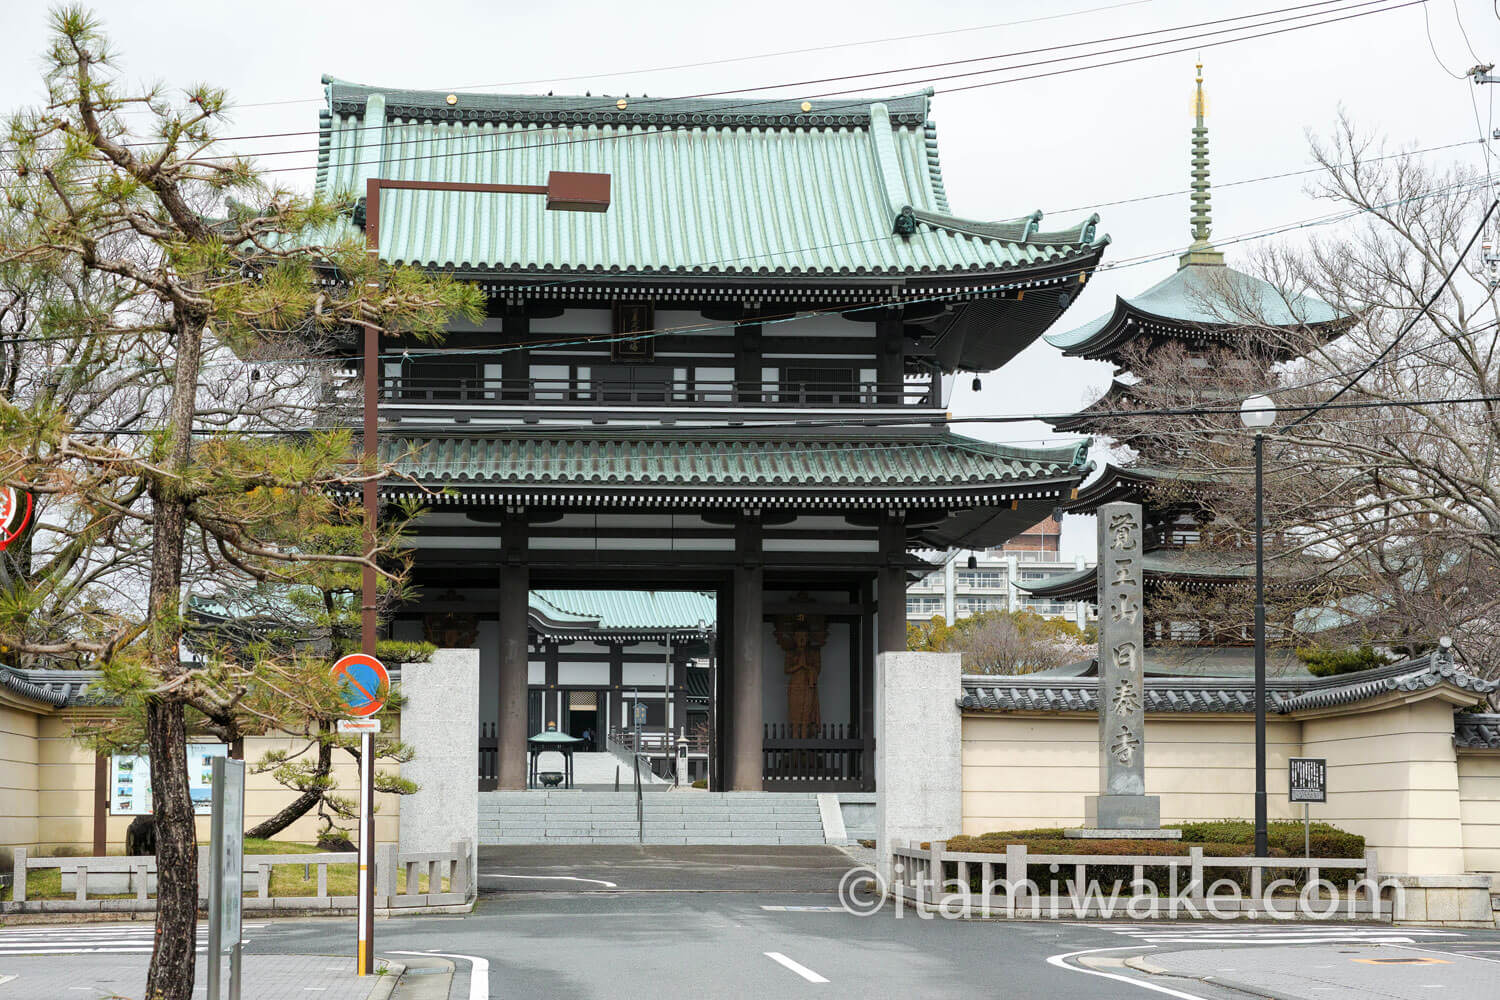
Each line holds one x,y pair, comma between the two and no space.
130,780
1308,779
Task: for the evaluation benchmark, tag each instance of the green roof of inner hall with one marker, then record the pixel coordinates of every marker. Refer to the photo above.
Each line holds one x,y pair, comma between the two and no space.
916,461
624,610
723,186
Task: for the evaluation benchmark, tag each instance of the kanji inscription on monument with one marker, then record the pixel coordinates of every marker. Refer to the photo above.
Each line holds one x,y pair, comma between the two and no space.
1122,803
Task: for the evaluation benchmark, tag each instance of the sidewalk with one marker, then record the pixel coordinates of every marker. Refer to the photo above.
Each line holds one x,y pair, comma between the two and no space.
1335,972
264,977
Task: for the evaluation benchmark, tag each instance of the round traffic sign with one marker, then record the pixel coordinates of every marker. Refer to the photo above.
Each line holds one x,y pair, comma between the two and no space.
363,683
15,514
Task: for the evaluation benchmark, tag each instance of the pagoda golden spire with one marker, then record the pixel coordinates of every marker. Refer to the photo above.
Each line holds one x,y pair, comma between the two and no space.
1201,251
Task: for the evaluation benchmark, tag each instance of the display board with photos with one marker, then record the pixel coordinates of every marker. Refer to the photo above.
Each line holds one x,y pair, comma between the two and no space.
130,780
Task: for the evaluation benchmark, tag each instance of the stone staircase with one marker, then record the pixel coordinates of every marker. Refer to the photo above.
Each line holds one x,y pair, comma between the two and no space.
671,817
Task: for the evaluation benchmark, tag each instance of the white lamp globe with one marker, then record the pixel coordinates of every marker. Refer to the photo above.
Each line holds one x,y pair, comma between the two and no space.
1258,412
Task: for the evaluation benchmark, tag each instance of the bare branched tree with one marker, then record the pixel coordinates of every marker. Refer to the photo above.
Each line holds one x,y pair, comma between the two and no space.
1383,509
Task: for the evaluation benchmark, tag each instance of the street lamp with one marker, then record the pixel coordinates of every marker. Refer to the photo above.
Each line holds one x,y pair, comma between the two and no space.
1258,413
565,192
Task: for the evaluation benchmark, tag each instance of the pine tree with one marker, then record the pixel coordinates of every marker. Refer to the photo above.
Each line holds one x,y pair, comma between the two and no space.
186,261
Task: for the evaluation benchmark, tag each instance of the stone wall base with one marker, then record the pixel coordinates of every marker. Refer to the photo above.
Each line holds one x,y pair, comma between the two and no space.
1441,900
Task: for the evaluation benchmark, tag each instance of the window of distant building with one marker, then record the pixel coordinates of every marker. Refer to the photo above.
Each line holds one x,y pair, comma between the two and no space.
981,579
923,607
976,605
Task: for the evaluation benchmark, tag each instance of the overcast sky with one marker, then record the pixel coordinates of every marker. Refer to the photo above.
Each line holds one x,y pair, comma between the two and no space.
1060,143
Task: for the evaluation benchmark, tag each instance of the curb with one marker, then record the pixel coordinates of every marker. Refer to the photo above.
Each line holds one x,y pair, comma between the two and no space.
423,979
386,984
1140,964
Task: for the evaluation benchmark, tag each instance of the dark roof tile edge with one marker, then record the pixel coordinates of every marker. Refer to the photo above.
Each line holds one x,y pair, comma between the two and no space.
17,682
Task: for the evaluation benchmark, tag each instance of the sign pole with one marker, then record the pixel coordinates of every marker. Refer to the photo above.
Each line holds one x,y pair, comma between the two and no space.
364,684
366,853
225,873
1307,829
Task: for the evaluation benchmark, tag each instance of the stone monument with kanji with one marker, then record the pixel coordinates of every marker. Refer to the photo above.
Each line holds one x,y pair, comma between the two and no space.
1122,808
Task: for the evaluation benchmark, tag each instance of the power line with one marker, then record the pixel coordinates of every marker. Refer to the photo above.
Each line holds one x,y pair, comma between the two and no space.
1155,55
751,103
1458,263
914,422
596,340
615,137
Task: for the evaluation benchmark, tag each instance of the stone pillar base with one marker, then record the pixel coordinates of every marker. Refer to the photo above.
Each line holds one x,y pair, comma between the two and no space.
1122,812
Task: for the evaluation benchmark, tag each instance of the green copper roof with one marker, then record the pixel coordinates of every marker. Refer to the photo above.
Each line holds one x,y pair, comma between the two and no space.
1202,299
924,461
1196,298
735,185
627,610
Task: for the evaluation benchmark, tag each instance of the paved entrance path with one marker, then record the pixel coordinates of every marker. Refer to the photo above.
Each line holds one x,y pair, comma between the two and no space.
566,868
1352,971
117,975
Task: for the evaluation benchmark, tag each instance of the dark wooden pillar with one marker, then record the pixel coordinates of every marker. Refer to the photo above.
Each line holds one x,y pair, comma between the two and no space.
747,361
515,365
745,760
890,335
551,712
891,583
101,804
515,586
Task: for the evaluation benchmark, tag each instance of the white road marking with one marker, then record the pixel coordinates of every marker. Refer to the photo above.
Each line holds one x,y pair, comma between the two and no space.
1450,954
1061,962
479,971
805,909
796,967
553,878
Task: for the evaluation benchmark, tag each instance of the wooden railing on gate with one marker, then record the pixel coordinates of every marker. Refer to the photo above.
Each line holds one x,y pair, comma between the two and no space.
828,757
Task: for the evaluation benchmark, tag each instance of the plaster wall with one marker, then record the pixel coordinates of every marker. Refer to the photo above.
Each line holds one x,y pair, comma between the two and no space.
1479,809
1023,772
65,801
19,783
1393,778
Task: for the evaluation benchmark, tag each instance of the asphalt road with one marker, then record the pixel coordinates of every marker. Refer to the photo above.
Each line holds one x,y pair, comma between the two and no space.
733,923
650,868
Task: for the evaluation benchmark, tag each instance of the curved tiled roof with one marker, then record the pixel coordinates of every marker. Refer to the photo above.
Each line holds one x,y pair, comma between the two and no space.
941,461
1477,730
1195,301
618,612
26,686
1285,695
851,186
1418,674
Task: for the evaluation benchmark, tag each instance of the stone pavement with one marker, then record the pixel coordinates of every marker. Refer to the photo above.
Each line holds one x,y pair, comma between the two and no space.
1336,972
264,977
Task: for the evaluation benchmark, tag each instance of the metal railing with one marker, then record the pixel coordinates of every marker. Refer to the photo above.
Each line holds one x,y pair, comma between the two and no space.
670,392
658,744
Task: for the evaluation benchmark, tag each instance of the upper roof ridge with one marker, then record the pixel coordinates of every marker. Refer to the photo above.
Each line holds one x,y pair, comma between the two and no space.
908,109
